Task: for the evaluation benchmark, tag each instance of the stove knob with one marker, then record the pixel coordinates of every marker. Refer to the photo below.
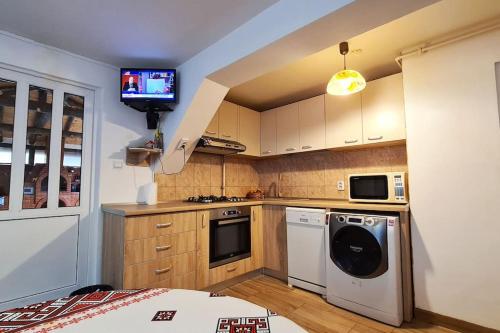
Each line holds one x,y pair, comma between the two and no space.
369,221
341,219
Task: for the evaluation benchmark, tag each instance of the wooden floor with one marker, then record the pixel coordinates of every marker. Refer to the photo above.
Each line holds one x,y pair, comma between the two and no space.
311,312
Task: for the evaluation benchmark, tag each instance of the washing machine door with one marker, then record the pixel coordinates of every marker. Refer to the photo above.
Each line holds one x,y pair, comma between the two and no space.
360,251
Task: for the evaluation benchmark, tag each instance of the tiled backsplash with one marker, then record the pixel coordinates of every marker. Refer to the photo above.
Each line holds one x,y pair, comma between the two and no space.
303,175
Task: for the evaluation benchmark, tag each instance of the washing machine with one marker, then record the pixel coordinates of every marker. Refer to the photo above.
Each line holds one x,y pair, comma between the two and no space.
363,265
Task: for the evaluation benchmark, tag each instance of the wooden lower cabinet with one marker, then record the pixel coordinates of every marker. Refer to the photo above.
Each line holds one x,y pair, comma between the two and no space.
274,239
150,251
172,250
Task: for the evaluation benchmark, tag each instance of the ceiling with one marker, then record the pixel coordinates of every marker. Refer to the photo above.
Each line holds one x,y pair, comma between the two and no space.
141,33
372,53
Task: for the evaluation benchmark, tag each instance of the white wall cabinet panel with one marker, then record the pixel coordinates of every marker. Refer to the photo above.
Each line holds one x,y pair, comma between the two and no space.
249,130
312,123
382,104
344,123
213,128
39,255
268,133
287,129
228,121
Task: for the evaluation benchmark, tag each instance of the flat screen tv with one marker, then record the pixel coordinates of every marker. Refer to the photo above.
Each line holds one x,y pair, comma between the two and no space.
145,84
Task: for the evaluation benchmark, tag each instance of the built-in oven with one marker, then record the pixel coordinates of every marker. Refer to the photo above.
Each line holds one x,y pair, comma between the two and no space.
387,187
230,235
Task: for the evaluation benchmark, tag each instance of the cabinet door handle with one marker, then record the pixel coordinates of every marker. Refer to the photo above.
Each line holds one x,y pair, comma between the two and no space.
291,149
203,225
226,136
231,269
163,225
266,152
163,248
351,141
307,147
163,270
210,132
374,138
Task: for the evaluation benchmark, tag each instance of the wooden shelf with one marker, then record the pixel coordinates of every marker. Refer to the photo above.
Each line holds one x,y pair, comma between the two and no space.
141,156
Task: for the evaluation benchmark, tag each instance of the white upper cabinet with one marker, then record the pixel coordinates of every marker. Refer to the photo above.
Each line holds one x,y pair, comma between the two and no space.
343,120
213,128
228,121
312,123
249,130
287,129
382,104
268,132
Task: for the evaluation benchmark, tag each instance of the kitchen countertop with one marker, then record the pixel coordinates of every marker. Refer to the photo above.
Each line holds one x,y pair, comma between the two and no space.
181,206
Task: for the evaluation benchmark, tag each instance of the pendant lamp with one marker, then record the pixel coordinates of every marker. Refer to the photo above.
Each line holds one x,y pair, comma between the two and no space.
347,81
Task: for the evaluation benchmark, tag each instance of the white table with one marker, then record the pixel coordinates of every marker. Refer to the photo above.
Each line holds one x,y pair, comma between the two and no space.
149,310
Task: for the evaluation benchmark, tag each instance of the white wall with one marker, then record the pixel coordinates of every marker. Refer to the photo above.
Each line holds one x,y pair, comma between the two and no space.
115,124
286,31
453,142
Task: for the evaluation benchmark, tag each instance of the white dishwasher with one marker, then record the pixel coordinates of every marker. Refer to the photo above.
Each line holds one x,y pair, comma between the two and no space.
306,248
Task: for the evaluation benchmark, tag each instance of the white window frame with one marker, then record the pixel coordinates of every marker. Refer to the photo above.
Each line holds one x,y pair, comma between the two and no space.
23,81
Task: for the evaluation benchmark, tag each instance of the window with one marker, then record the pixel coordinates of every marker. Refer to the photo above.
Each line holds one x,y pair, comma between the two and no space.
72,140
36,169
7,110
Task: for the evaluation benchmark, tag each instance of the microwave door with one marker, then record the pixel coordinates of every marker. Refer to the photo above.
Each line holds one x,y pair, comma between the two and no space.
369,187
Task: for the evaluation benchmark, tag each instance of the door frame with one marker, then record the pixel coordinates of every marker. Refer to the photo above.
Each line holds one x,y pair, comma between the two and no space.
24,78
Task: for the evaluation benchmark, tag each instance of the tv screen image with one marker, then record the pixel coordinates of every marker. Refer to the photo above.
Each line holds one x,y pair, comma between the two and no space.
148,84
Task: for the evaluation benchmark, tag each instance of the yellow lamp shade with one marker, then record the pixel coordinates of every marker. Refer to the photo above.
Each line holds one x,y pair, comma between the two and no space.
346,82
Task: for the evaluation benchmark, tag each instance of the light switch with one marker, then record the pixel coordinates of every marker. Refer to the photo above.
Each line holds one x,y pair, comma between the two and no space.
340,185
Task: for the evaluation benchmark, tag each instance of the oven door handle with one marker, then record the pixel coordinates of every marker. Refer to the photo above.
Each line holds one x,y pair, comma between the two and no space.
246,219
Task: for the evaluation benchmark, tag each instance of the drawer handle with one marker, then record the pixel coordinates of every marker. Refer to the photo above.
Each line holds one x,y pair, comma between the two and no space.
226,136
163,270
266,152
291,149
163,248
231,269
374,138
210,132
307,147
351,141
164,225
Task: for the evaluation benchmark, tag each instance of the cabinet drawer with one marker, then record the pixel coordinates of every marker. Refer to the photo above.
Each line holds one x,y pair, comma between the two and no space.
139,227
147,274
154,273
229,271
140,250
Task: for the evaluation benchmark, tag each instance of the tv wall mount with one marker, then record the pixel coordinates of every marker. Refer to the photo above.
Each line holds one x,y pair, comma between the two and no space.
151,108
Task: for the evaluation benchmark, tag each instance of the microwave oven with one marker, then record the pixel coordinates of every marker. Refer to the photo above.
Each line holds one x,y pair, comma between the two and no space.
384,187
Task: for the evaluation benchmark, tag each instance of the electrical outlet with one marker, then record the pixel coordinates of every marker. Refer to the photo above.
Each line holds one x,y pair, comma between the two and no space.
340,185
117,164
182,144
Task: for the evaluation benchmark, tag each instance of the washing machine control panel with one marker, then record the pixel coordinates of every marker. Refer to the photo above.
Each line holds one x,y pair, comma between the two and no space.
359,219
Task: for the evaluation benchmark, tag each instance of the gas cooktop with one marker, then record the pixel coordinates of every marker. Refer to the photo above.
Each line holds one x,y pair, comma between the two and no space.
213,198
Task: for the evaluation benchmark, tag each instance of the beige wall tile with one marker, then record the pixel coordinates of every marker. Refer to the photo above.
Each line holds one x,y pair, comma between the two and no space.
186,176
165,180
182,193
299,191
166,193
316,192
202,190
215,171
331,192
304,175
202,170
